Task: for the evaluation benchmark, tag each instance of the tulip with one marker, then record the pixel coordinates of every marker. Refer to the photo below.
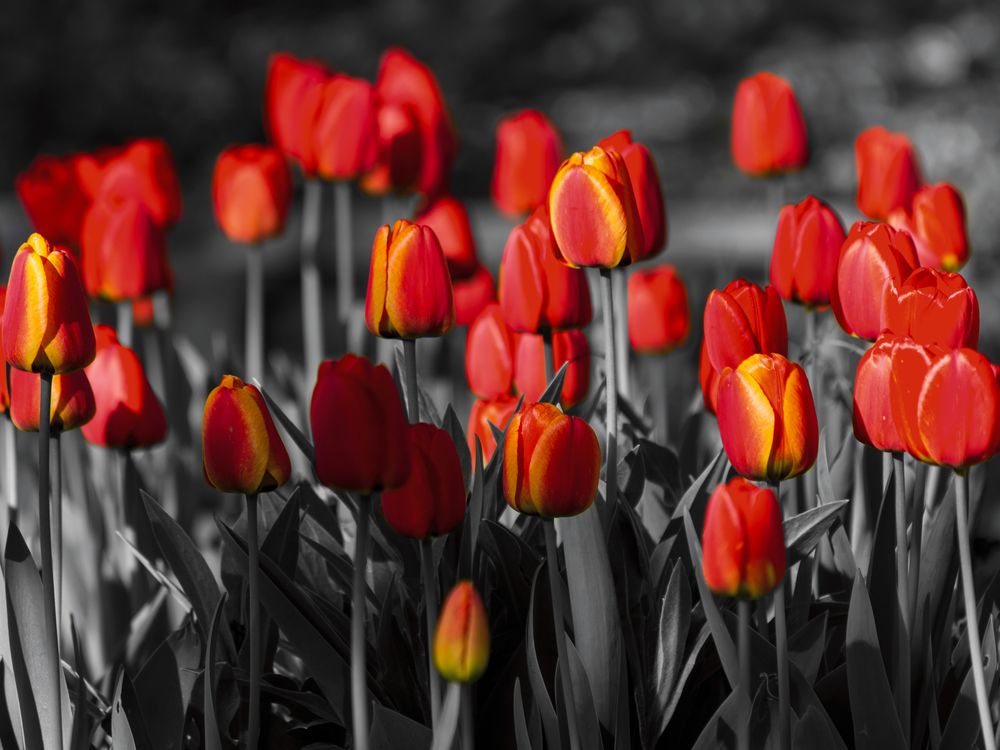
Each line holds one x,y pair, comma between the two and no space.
143,171
251,190
472,295
806,248
708,378
450,222
552,463
342,143
768,131
888,175
937,225
72,402
529,151
567,347
53,197
498,412
658,316
489,354
767,420
397,166
462,638
934,307
873,419
143,311
292,98
645,181
741,320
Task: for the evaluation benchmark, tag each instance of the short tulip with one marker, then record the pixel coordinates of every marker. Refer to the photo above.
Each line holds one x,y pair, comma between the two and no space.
645,181
498,412
53,197
806,248
343,140
472,295
241,448
529,151
292,99
767,419
934,307
552,463
741,320
450,221
888,175
251,191
659,318
143,171
489,354
462,639
937,225
72,403
568,347
397,166
743,541
768,133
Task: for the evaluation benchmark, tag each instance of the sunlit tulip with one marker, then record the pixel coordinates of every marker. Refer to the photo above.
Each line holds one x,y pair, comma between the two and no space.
937,225
806,248
567,347
72,403
343,140
397,166
645,181
53,197
472,295
528,153
498,412
768,132
741,320
251,191
448,218
144,171
934,307
888,175
462,638
292,98
658,315
489,354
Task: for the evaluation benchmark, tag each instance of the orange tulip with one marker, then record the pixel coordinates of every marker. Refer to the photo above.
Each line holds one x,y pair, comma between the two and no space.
658,316
450,222
462,638
251,190
741,320
143,171
72,400
934,307
768,133
292,98
528,154
489,354
529,365
342,142
497,411
397,166
806,249
53,197
472,295
888,175
937,225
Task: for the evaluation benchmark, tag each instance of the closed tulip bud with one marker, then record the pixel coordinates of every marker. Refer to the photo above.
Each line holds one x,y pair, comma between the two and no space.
241,448
409,288
497,411
251,190
529,151
144,171
292,97
658,315
46,320
874,423
888,175
768,133
767,419
343,139
537,291
397,166
128,414
358,427
72,403
874,261
592,210
53,197
645,181
743,541
708,378
462,637
472,295
552,463
934,307
431,502
450,222
567,347
806,248
741,320
937,225
489,354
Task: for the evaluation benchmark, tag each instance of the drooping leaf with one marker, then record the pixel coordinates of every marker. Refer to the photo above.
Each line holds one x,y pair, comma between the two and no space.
804,531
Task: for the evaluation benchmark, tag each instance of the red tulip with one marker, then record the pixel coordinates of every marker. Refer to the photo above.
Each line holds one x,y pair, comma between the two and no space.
528,154
72,403
708,378
934,307
497,411
53,196
888,175
144,171
806,249
143,312
251,190
529,365
292,98
397,166
658,316
741,320
937,225
462,638
489,354
768,131
645,181
342,142
472,295
874,423
450,222
4,392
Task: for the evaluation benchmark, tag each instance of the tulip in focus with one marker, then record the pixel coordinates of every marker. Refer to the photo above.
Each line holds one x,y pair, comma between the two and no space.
72,403
741,320
658,315
251,191
806,248
462,638
292,97
53,197
888,175
342,142
934,307
645,181
498,412
768,133
472,295
529,151
567,347
448,218
489,354
938,226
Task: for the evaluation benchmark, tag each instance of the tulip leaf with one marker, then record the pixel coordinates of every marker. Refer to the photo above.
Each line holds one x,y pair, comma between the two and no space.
675,620
806,646
298,437
520,722
553,390
692,661
79,738
963,727
686,502
813,732
160,696
804,531
588,728
211,736
128,732
722,729
540,622
391,731
426,410
473,516
453,427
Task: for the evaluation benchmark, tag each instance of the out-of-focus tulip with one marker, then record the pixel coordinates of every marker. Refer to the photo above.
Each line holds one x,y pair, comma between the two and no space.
251,190
497,411
529,151
937,225
53,197
358,426
4,391
462,638
592,211
874,261
645,181
46,320
431,502
128,414
743,541
888,175
806,248
741,320
409,288
708,378
768,132
529,365
143,312
144,171
292,98
343,140
552,463
472,295
934,307
489,354
537,291
658,315
450,221
397,166
767,419
72,400
241,448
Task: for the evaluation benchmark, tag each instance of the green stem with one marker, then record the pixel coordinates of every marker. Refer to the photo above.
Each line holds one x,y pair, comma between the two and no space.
902,596
253,578
124,325
359,645
611,392
57,518
312,310
345,254
565,677
746,700
255,314
48,578
430,611
410,375
781,645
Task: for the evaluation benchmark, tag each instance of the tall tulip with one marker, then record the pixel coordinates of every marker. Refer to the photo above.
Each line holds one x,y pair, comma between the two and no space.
489,354
806,248
938,226
292,98
888,174
934,307
768,133
528,153
741,320
645,181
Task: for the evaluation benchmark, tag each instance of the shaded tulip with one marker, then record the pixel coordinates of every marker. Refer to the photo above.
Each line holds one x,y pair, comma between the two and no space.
489,354
592,211
144,171
537,291
450,221
251,191
741,320
528,153
934,307
292,97
743,541
128,414
888,175
358,427
645,181
497,411
767,419
937,225
552,463
431,502
343,140
397,165
53,197
806,248
874,261
768,134
708,378
874,423
409,288
72,403
241,448
462,637
529,365
658,315
46,320
472,295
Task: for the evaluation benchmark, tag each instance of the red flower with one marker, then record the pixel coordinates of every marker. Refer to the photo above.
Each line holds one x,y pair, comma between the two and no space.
462,639
144,171
529,365
292,98
497,411
708,378
251,190
937,225
806,249
472,295
342,142
72,403
397,166
768,132
645,181
53,196
658,316
874,390
741,320
888,175
450,222
934,307
489,354
528,154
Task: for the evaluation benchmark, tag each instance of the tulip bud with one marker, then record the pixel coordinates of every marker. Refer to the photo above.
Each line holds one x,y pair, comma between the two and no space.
874,261
937,226
708,378
806,249
358,427
528,154
128,414
53,197
251,190
489,354
529,366
497,411
462,637
743,541
658,316
934,307
144,171
645,182
431,502
888,175
241,448
46,320
768,133
450,222
472,295
409,289
72,402
767,419
397,166
741,320
291,102
342,142
552,463
537,291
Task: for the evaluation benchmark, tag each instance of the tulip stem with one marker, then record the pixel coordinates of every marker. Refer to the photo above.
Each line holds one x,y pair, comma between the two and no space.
620,277
359,645
743,731
468,725
969,593
812,494
57,518
312,310
410,375
345,253
10,469
565,677
781,645
253,580
255,314
124,324
902,596
550,364
430,611
611,391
